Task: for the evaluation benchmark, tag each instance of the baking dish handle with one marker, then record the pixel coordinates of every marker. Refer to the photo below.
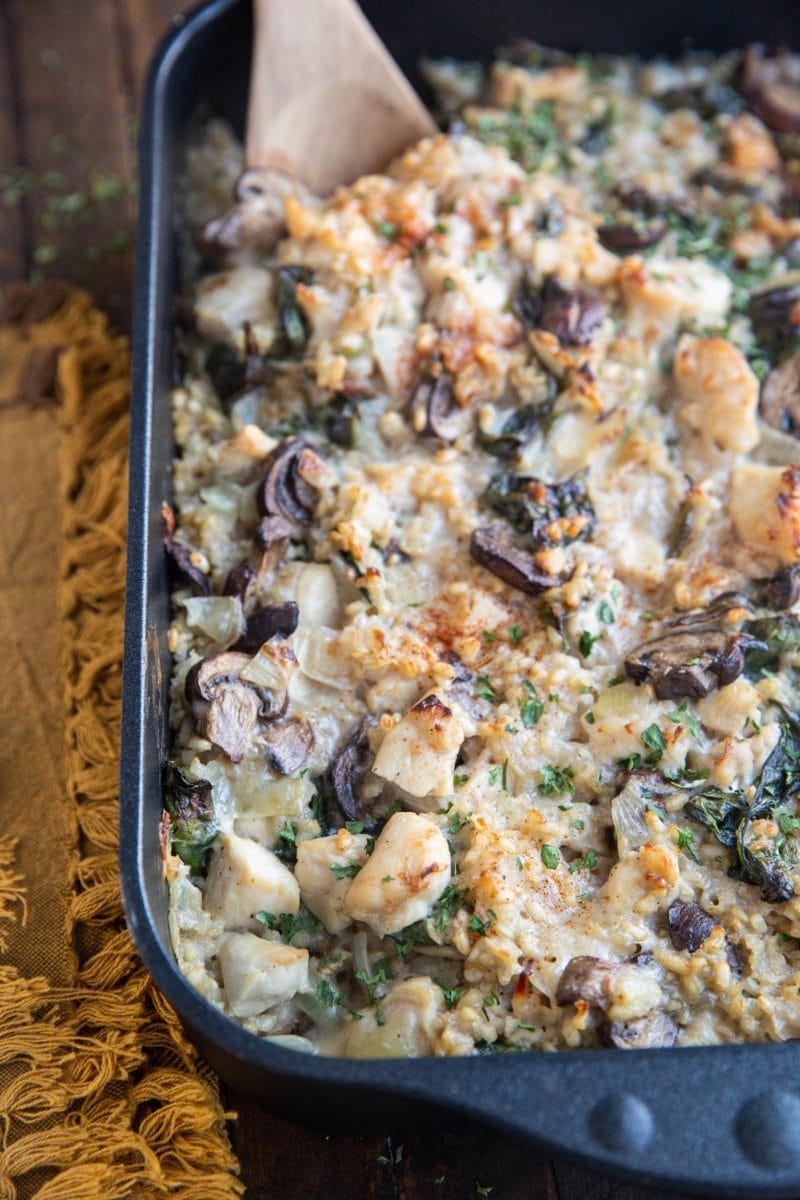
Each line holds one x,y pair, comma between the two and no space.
716,1120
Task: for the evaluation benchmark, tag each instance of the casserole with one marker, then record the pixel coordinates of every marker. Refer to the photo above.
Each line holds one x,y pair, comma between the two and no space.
620,1115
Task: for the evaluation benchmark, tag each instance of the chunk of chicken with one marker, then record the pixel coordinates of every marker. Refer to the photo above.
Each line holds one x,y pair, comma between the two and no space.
660,293
409,1010
765,510
225,301
258,974
404,877
720,390
245,878
321,888
419,753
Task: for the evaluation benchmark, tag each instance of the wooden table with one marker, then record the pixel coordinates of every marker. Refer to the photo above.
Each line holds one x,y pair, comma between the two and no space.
71,77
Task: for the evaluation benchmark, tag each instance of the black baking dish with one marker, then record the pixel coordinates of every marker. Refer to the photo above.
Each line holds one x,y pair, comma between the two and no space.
723,1120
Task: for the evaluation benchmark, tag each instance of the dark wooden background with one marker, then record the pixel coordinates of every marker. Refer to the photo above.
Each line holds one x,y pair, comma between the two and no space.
71,75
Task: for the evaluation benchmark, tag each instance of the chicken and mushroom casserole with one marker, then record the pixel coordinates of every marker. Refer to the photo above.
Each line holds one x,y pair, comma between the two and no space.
485,636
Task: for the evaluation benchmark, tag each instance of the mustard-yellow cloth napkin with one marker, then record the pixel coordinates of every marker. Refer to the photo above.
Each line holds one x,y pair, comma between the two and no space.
101,1095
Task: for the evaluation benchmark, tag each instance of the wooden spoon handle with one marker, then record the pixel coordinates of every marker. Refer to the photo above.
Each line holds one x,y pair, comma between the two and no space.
327,102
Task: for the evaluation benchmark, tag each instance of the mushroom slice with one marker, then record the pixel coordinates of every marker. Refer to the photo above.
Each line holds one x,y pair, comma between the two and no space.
775,313
627,238
779,593
183,571
284,490
586,978
269,672
492,548
769,84
780,397
240,581
690,663
689,925
269,621
226,708
571,316
348,770
656,1031
433,410
288,746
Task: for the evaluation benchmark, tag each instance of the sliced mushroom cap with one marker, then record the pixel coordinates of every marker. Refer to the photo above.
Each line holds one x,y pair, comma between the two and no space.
226,709
434,411
213,672
775,313
348,770
656,1031
240,581
284,490
689,925
493,549
183,571
771,88
627,238
571,316
271,620
779,593
586,978
780,397
227,704
288,746
689,664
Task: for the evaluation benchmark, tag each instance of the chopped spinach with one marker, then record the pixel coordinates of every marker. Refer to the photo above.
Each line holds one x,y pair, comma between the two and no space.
554,514
193,823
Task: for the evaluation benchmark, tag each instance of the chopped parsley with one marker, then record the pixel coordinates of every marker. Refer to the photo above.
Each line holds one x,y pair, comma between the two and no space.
530,710
345,870
587,641
387,229
451,995
557,781
686,843
630,763
488,636
605,613
476,925
460,780
354,826
485,690
682,716
590,717
515,634
288,925
550,856
653,738
587,863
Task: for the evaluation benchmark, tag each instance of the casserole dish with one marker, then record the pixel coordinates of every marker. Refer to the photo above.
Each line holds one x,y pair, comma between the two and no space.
623,1113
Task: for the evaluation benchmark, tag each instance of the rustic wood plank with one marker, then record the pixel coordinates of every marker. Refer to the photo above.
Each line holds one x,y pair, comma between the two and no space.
284,1160
141,25
77,147
13,233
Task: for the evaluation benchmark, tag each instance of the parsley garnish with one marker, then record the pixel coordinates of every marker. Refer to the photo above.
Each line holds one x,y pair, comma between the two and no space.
653,738
485,690
587,863
476,925
605,613
550,856
531,709
460,780
354,826
345,870
515,634
557,780
587,641
451,995
686,843
683,716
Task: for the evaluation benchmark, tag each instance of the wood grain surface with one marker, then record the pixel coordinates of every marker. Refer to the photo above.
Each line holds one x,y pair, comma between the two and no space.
71,76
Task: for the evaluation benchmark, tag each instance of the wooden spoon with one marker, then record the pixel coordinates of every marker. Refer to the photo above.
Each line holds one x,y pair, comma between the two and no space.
327,104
